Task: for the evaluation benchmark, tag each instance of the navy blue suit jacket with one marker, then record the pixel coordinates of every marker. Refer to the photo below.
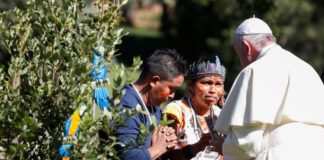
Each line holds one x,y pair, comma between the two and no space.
130,132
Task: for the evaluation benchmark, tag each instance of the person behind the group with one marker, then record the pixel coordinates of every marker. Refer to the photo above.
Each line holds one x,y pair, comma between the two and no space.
274,110
163,72
195,115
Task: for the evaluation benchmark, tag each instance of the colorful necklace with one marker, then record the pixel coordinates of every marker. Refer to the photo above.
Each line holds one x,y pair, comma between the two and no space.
197,127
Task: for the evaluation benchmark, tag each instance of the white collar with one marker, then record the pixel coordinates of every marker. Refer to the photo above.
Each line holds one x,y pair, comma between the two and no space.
145,107
266,49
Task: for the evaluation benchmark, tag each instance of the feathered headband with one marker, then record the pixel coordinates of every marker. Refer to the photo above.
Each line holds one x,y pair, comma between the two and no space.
206,67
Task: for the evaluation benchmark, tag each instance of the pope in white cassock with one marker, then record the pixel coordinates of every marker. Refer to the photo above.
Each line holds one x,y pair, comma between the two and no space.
275,108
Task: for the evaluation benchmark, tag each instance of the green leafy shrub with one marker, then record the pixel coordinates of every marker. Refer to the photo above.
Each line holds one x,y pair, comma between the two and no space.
51,45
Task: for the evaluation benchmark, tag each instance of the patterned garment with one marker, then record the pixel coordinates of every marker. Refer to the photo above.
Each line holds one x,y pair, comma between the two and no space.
190,132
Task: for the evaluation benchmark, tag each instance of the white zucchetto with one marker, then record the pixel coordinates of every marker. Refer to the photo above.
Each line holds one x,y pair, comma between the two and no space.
253,26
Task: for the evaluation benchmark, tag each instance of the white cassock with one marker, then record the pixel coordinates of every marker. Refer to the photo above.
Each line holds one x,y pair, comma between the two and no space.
274,111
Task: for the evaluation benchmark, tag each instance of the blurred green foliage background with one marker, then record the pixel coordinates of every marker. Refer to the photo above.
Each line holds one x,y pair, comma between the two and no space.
206,27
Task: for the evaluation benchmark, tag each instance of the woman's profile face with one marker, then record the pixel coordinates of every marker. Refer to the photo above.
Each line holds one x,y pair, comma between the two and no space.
206,91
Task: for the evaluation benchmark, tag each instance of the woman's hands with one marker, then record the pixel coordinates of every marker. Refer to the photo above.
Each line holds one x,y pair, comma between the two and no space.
217,142
201,144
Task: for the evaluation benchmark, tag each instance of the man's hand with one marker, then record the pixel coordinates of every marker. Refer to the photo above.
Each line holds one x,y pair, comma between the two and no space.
172,137
163,138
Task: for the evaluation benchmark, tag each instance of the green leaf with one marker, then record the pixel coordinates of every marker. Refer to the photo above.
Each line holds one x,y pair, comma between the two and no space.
165,121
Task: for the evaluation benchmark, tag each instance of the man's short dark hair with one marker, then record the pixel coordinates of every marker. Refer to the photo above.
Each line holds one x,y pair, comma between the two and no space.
166,63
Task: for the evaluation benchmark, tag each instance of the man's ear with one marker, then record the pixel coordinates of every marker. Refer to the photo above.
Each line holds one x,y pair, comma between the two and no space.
249,50
247,46
154,80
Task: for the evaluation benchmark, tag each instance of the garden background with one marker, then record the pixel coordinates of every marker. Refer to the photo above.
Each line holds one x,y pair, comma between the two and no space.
47,47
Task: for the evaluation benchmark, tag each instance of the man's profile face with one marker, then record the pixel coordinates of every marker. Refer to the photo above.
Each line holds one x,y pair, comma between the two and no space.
164,90
241,52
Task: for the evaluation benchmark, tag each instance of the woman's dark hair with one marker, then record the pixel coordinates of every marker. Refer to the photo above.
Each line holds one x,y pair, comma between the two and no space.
166,63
